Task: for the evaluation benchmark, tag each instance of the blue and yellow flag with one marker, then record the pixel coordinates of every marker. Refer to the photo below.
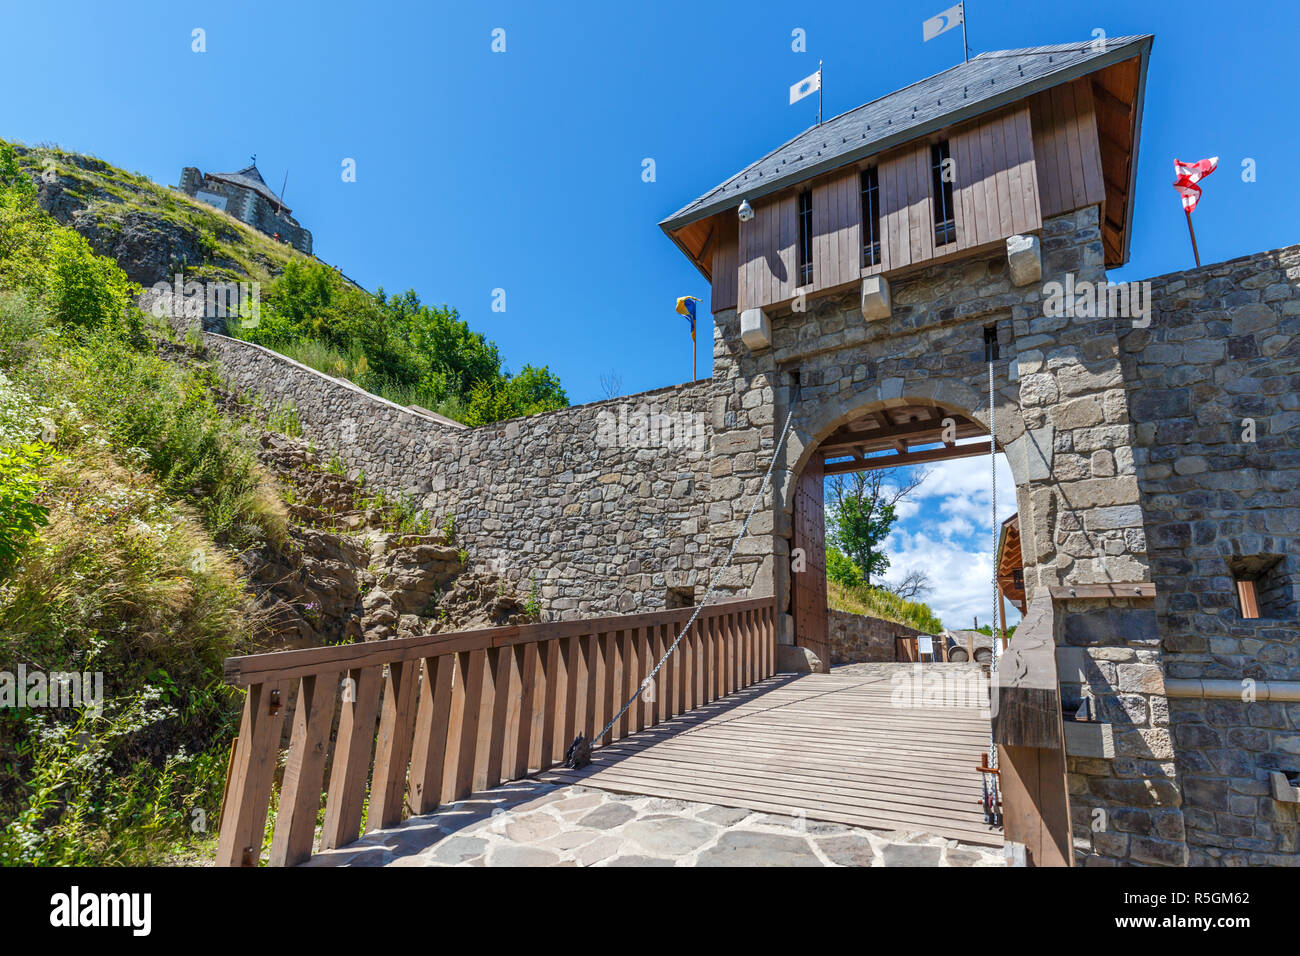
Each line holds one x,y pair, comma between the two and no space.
686,307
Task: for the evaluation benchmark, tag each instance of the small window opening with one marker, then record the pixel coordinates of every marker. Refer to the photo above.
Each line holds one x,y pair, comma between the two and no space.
991,352
679,597
805,239
1265,586
870,217
945,225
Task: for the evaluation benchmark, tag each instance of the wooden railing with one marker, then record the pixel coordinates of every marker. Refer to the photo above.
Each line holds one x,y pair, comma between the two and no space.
428,720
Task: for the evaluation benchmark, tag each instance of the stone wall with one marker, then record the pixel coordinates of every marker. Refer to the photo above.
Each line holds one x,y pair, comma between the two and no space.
855,638
598,508
1223,351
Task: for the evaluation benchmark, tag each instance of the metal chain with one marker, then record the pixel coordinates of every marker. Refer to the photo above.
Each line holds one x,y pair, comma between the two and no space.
994,630
717,575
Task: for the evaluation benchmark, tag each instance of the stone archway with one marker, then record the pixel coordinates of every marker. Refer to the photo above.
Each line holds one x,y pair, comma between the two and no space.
816,423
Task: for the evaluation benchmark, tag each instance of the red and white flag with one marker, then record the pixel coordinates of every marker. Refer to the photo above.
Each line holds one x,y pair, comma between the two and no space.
1189,174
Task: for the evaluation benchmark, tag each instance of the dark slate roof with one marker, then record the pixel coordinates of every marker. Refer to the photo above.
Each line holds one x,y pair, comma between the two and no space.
250,178
987,82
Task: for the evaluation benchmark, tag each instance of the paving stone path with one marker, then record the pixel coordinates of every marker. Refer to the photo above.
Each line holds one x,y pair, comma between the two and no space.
528,823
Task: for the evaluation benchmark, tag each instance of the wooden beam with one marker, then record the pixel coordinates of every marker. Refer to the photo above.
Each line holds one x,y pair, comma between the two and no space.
849,443
1120,589
910,458
1110,100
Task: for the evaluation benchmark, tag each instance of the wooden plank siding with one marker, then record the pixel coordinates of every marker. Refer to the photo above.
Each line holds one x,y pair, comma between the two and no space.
837,242
767,271
725,253
996,194
1066,150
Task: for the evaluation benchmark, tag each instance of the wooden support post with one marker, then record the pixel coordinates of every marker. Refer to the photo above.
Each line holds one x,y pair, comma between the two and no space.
249,792
352,750
295,825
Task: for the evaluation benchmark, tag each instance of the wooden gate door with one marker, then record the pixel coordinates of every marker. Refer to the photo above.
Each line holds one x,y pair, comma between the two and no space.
808,587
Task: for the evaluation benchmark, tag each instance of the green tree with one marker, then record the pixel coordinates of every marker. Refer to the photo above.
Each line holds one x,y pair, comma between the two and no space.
863,510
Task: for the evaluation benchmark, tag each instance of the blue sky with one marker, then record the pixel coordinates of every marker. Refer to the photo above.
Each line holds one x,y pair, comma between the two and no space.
522,170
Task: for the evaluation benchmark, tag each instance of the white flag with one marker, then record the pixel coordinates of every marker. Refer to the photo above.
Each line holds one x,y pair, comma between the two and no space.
942,23
809,84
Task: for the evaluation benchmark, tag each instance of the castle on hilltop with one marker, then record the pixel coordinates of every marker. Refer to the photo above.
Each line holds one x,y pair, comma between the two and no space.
247,197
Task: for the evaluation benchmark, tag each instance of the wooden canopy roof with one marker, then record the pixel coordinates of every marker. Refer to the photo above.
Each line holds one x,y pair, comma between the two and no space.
896,436
1011,561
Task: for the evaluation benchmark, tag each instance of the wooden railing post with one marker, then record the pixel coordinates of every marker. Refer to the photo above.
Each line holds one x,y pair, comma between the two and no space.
393,749
356,736
242,829
527,714
466,702
432,727
300,794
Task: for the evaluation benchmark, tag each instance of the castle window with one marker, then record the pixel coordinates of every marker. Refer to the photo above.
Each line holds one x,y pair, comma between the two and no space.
945,226
991,352
1264,587
805,239
870,217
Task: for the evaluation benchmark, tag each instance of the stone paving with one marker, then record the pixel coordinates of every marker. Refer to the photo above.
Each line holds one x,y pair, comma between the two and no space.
528,823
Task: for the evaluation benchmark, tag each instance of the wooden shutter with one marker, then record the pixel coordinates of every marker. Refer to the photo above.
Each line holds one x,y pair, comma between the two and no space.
906,223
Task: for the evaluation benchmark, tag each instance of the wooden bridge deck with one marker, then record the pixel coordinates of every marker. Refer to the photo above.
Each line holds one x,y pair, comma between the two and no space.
829,745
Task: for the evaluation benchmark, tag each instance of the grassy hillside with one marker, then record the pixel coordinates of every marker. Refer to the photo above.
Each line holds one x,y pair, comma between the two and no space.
392,345
876,602
152,231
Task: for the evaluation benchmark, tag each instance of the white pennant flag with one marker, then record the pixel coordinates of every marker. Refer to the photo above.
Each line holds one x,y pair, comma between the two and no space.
809,84
942,23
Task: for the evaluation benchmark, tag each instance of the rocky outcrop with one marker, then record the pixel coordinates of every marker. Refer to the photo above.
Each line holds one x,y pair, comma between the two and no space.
346,573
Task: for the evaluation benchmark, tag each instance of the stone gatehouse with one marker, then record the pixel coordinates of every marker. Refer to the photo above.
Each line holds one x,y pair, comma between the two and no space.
1155,455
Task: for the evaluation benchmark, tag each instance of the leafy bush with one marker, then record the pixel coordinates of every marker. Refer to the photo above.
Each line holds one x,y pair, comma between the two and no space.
77,286
840,569
22,473
396,347
85,289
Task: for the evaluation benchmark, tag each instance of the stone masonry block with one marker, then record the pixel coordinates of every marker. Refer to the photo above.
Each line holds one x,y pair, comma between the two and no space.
1024,259
755,329
875,298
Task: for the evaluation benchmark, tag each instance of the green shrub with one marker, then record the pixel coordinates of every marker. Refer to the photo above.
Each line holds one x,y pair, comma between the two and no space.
841,570
23,470
85,289
395,347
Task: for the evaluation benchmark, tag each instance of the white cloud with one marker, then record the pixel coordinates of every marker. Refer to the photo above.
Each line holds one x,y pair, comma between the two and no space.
944,529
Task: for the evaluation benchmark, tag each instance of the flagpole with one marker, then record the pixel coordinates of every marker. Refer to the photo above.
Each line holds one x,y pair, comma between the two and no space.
1192,232
819,92
965,50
